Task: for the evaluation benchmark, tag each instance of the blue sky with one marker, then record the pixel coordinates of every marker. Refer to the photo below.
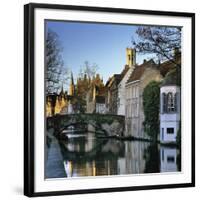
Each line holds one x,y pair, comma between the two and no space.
103,44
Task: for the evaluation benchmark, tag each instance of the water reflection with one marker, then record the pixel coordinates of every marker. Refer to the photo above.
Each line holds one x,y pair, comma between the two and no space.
88,155
169,161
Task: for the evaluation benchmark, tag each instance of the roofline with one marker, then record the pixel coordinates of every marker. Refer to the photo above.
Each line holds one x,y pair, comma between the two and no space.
132,82
169,85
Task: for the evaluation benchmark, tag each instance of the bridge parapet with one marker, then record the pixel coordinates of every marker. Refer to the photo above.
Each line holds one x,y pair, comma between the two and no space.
110,124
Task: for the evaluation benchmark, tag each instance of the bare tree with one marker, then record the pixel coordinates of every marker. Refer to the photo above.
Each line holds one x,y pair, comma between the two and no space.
54,62
160,41
88,69
64,78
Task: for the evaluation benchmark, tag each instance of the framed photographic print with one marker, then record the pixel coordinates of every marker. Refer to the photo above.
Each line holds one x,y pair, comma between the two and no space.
108,99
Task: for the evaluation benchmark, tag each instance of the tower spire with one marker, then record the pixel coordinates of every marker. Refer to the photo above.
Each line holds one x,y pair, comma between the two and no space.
72,79
71,88
62,90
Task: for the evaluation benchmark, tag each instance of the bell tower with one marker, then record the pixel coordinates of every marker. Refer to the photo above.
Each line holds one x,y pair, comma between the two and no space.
130,57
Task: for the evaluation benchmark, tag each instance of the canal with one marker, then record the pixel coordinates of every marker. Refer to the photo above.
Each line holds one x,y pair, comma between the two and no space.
88,155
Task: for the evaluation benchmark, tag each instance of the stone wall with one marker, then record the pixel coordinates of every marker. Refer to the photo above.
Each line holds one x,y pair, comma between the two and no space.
109,124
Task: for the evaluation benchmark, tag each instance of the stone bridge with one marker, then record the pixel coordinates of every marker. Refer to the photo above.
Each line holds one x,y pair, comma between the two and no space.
109,125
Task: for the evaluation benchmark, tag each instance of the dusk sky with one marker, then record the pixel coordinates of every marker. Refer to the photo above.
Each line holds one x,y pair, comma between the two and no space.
102,44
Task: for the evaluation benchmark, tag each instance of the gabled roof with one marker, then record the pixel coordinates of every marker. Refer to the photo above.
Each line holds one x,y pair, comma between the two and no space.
115,77
118,77
139,70
124,71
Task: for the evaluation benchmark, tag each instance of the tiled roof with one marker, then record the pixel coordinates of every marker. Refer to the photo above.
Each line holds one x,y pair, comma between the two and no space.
166,66
124,71
139,70
118,77
171,78
101,91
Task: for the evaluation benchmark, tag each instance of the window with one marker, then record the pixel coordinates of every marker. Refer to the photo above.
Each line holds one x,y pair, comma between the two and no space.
170,130
137,109
162,133
127,109
164,98
170,159
129,57
133,92
162,155
137,91
175,101
170,102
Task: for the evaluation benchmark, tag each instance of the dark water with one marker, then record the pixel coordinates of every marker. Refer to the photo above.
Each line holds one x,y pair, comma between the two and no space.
87,155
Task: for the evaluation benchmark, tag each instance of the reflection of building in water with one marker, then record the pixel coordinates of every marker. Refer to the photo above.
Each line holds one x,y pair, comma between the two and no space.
80,143
168,159
90,168
79,169
134,161
83,156
141,76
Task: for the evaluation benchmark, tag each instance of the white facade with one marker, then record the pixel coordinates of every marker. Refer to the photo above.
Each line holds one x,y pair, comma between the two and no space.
132,110
169,113
122,92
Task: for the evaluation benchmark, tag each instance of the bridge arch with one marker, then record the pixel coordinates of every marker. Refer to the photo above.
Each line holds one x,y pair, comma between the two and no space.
81,123
109,124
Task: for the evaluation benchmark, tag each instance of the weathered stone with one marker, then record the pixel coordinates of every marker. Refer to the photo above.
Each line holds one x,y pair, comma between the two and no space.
108,124
113,129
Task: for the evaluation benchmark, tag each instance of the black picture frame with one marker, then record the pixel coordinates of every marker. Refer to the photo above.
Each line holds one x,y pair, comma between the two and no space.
29,101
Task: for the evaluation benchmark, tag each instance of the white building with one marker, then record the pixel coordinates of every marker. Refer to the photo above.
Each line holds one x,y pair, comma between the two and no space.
169,112
141,76
131,61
